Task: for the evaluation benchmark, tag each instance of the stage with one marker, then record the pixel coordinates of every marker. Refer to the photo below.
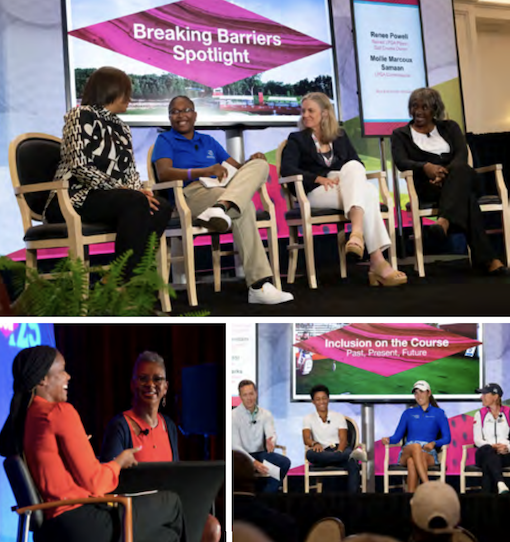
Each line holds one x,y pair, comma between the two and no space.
483,515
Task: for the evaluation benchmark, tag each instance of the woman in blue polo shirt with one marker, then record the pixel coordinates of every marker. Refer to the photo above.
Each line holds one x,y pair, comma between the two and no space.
425,427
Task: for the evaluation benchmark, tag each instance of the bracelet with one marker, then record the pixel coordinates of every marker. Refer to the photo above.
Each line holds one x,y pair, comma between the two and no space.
189,174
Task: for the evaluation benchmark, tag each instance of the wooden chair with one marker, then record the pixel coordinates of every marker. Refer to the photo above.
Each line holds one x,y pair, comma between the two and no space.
420,209
184,228
395,469
472,471
312,471
30,506
33,162
285,483
301,215
326,530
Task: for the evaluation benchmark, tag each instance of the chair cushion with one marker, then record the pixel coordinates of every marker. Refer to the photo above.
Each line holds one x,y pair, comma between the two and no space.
397,467
485,200
423,205
59,231
37,161
296,212
314,468
472,468
263,215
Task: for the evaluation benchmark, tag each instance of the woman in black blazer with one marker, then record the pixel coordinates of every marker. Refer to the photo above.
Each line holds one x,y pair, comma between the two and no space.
334,178
435,150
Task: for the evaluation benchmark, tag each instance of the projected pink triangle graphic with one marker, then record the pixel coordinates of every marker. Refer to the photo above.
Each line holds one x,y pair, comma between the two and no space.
211,42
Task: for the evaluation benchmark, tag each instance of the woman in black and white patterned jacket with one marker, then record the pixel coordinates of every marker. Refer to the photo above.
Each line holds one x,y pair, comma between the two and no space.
97,158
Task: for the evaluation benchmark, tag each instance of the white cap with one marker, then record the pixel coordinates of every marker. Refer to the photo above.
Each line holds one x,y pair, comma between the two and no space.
435,501
422,385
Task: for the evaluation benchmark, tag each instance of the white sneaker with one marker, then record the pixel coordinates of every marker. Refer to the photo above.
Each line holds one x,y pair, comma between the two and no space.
215,219
502,488
268,295
359,454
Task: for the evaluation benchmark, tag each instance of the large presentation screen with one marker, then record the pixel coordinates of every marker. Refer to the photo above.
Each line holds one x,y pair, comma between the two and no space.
391,61
381,362
247,61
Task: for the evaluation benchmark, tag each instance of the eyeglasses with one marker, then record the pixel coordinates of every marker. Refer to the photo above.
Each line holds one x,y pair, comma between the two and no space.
175,112
146,379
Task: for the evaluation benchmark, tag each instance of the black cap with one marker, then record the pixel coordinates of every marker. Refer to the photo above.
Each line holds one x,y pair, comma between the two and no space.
491,388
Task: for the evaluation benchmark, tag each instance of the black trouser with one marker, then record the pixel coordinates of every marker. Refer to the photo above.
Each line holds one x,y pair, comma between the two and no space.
458,203
128,212
491,464
156,517
331,457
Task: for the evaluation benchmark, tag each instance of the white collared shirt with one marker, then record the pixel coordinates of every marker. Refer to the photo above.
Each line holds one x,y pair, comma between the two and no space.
325,433
250,430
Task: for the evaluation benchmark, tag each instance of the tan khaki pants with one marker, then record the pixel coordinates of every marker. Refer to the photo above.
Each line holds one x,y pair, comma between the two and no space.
240,191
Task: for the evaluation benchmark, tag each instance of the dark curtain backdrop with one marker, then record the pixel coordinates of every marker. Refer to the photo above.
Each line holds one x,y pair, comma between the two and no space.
100,357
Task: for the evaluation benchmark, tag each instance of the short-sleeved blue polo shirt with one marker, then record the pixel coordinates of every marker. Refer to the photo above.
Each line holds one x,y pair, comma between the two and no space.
199,152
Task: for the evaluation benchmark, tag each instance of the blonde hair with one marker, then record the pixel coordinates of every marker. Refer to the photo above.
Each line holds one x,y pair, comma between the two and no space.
330,129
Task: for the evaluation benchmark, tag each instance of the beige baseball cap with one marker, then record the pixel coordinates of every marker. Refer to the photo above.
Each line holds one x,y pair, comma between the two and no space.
422,385
435,508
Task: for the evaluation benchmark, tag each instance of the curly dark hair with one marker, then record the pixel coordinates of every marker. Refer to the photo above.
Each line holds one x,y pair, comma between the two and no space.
431,98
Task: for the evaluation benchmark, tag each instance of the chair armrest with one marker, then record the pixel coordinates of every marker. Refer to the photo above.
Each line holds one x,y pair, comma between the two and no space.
166,185
383,186
125,501
282,448
487,169
41,187
290,179
267,204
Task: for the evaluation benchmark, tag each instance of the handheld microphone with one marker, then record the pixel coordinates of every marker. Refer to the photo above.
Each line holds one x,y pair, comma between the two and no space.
144,432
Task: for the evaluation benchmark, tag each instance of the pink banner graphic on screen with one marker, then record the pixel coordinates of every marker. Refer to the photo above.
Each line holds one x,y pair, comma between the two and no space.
213,43
387,349
382,128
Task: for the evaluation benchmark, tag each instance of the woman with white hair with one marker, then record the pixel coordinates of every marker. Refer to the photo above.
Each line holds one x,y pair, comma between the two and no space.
335,178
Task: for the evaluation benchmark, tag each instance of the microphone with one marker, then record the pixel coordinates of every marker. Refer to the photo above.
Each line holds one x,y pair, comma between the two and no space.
428,134
196,147
253,422
144,432
329,421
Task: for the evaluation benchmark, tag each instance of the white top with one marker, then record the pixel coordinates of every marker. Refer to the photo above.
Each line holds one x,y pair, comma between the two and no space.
325,433
494,430
250,430
433,142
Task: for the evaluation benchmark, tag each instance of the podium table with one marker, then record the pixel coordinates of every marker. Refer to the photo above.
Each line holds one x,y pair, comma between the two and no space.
196,482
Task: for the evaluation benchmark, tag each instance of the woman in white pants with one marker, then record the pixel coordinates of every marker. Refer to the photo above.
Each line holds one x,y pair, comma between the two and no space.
335,178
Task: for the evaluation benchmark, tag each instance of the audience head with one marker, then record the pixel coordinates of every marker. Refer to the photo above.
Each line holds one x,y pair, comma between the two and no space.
243,473
39,370
491,394
248,394
423,394
182,115
318,115
426,106
435,510
108,87
320,397
149,385
369,537
245,532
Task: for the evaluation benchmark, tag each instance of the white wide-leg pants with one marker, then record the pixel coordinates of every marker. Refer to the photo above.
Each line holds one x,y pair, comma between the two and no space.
354,190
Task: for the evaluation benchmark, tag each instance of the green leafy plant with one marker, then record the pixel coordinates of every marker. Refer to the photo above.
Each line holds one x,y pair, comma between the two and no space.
67,292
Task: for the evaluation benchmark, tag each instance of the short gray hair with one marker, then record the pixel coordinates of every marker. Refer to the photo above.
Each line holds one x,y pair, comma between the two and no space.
151,357
431,98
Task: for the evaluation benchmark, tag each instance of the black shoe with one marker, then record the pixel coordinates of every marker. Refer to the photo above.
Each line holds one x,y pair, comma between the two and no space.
502,271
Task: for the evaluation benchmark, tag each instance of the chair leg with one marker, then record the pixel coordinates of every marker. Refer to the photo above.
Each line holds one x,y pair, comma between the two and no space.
188,253
418,243
393,238
216,261
292,254
164,273
506,233
341,250
274,260
309,255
